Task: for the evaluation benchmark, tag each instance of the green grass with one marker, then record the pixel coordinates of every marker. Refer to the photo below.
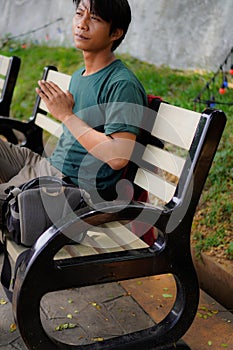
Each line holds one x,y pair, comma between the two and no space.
213,222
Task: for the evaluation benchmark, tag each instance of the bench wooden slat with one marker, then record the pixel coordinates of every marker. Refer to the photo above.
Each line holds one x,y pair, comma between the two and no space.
76,250
165,160
100,242
111,237
4,64
61,79
176,125
2,81
49,124
155,185
124,237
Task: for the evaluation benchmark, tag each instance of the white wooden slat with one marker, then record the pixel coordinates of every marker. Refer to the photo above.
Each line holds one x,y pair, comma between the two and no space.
101,242
123,237
111,237
4,64
176,125
165,160
75,250
155,185
2,81
49,124
61,79
81,250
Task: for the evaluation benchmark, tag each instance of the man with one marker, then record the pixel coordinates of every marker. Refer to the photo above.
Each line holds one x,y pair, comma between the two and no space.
101,112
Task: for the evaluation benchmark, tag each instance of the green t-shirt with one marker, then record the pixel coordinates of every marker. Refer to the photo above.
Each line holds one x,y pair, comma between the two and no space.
110,100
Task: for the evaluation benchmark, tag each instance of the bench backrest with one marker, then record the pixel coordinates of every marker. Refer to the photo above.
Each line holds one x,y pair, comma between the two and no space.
169,173
176,174
161,169
9,69
40,115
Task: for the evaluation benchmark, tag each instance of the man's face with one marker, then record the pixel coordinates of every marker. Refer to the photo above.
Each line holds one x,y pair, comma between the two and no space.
91,32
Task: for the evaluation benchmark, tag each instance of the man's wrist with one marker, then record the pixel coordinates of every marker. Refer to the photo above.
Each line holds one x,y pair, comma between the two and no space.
67,117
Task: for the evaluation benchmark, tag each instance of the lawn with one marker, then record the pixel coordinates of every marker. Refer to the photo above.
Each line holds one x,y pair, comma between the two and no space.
213,223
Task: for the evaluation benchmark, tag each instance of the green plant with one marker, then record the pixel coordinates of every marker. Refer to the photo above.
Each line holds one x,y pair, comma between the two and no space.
229,251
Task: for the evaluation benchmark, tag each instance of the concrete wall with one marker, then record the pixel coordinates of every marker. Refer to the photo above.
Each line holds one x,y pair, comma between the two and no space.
183,34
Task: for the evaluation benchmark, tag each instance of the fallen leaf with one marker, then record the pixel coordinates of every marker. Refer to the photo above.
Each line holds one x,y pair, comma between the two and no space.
13,327
63,326
98,339
167,296
98,307
3,301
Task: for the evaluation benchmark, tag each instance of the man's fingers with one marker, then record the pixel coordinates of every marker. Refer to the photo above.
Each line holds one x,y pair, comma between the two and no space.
48,89
41,93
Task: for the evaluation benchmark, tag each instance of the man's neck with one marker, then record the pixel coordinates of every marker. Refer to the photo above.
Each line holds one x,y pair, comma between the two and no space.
96,62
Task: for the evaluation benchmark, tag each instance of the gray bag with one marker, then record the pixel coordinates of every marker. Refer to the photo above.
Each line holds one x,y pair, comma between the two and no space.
34,206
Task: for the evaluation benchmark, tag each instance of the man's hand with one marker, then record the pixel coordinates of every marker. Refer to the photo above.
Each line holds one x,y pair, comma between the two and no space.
58,102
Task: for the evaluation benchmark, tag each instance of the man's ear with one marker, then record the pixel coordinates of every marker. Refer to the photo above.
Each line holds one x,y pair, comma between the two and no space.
117,34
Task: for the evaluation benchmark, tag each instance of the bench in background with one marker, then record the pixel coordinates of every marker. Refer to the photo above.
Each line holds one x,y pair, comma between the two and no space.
174,176
9,70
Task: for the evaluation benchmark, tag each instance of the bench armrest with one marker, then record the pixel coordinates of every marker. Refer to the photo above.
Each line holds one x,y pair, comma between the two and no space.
11,123
32,134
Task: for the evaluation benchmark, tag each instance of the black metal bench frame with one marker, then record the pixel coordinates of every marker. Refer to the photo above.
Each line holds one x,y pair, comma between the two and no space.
40,273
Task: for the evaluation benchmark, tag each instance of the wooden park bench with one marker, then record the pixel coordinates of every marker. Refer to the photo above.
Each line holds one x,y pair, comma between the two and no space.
9,69
174,176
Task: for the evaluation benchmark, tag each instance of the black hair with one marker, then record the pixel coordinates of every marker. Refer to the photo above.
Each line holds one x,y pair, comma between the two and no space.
116,12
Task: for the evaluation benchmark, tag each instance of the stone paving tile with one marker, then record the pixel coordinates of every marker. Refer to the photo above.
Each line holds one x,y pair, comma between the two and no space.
212,328
98,312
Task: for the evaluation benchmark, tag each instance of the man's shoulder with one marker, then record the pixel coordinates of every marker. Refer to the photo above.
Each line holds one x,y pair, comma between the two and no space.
121,70
121,74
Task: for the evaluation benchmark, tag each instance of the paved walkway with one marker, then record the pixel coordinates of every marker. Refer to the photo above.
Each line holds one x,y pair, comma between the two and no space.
108,310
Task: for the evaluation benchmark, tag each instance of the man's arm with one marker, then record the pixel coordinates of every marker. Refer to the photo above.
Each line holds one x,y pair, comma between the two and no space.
114,149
